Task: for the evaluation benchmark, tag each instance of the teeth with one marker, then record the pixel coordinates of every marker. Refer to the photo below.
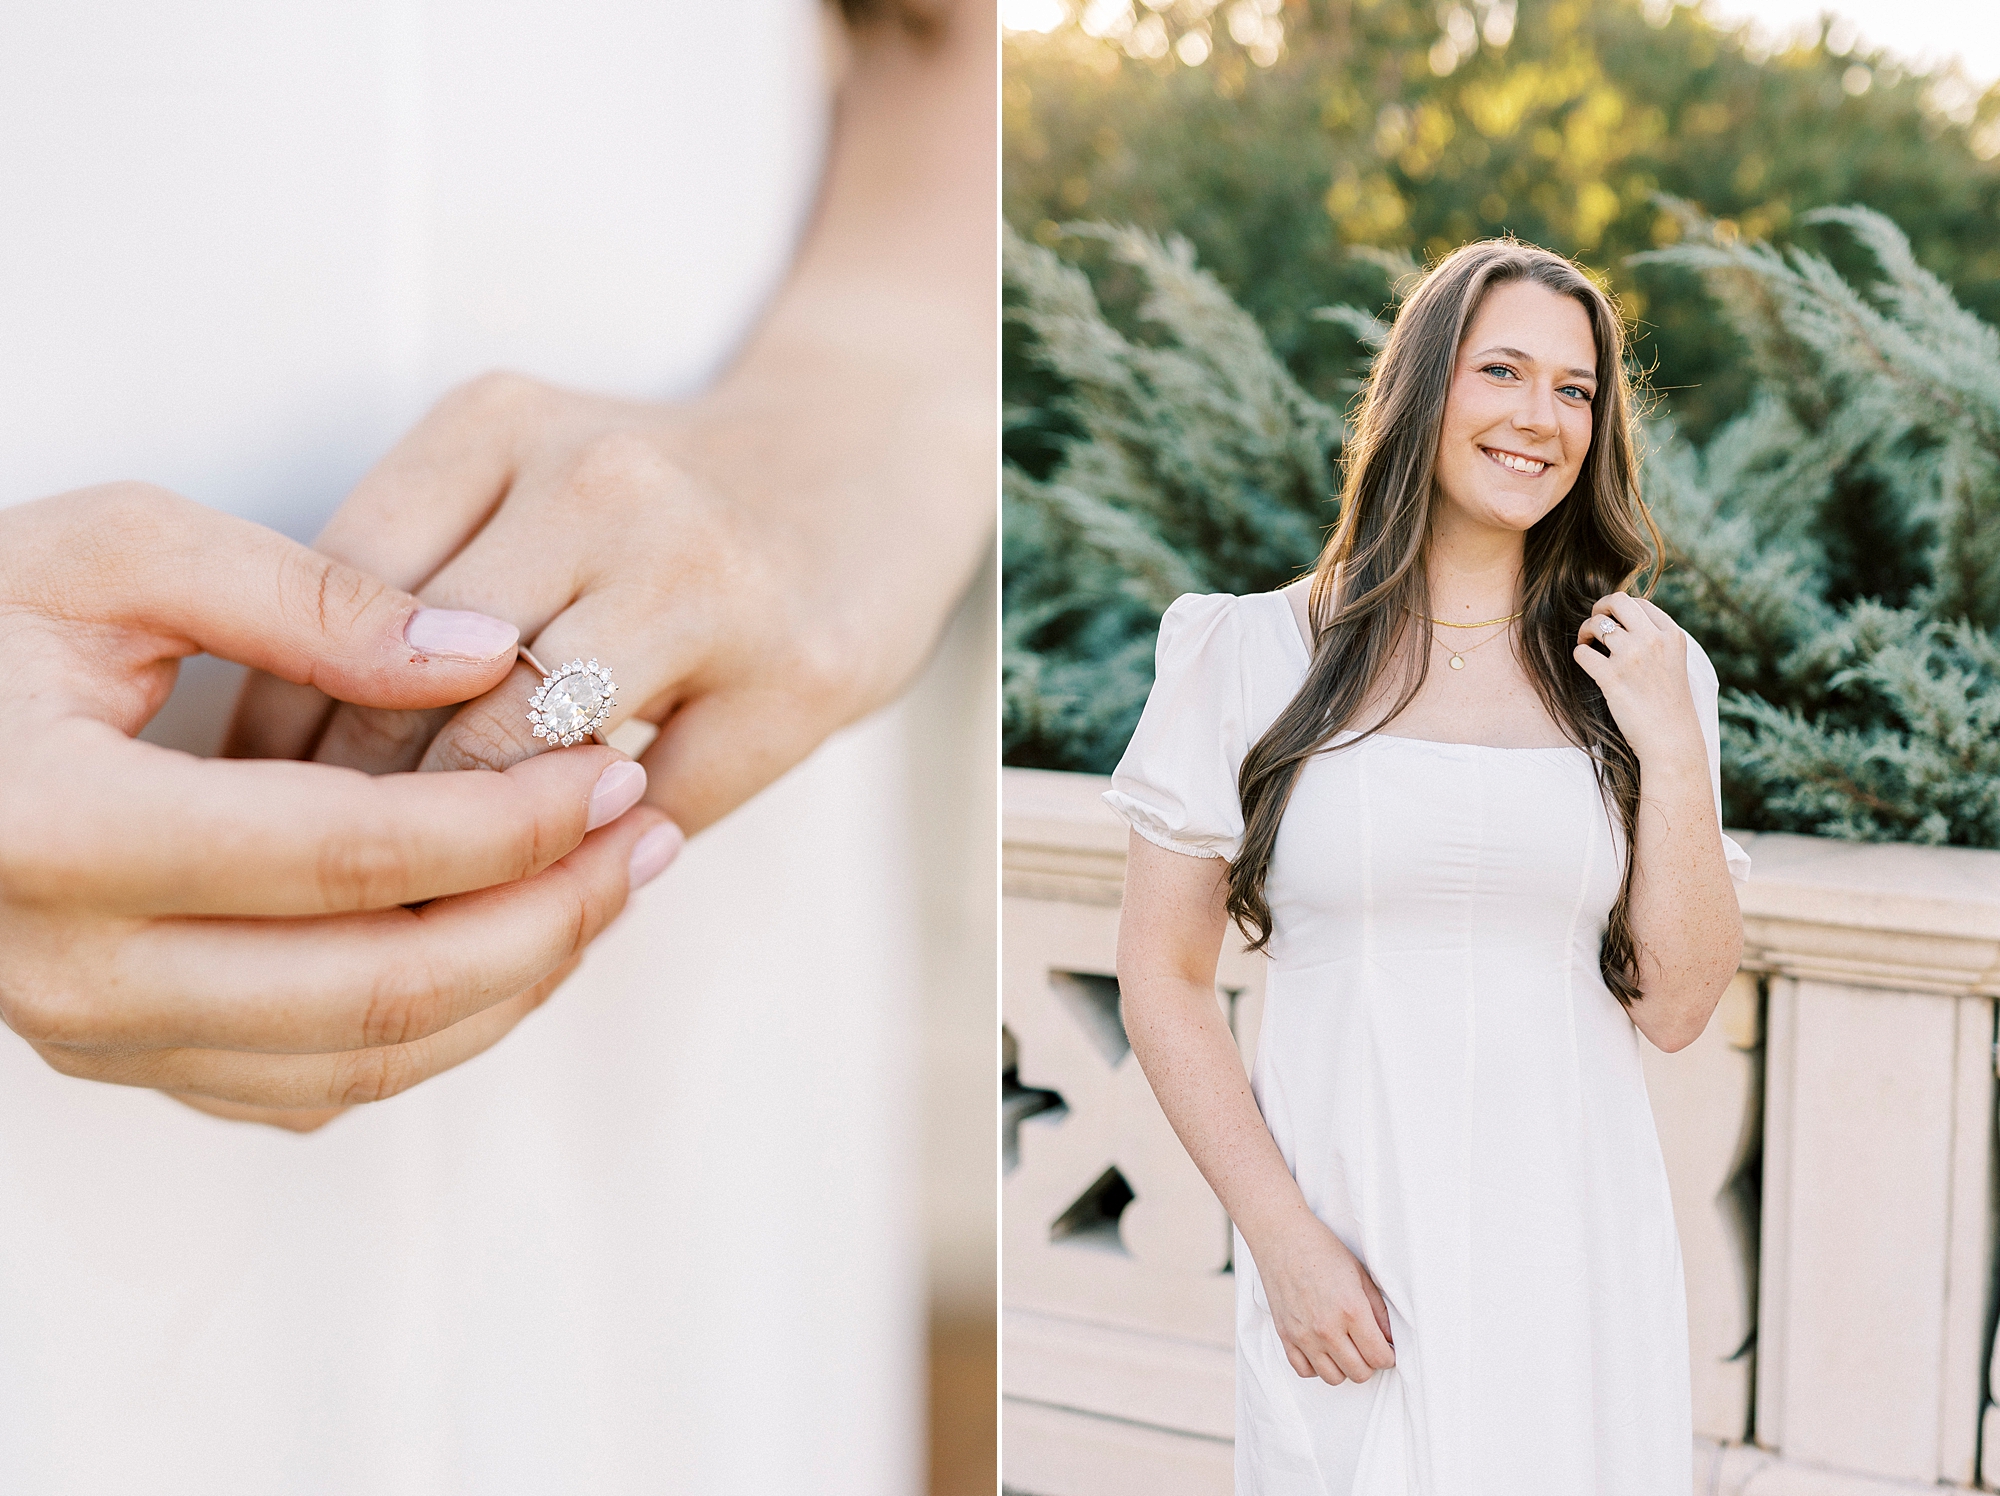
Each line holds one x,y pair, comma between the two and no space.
1524,465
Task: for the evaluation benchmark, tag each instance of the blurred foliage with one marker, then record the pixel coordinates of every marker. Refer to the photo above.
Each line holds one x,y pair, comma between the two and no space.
1196,464
1835,547
1412,127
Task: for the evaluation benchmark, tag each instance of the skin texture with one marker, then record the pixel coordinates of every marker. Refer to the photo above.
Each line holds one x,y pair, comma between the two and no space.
761,565
239,934
1522,386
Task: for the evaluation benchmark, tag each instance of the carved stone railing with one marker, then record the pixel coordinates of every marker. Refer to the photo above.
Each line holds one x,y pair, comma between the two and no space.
1829,1141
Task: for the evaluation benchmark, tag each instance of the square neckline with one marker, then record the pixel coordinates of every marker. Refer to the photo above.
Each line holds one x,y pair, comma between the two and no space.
1303,650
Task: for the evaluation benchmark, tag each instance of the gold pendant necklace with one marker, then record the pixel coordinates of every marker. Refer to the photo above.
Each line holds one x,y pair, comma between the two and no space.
1458,655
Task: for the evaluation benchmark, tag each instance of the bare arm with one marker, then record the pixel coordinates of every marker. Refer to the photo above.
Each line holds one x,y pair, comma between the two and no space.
1327,1309
1685,920
862,412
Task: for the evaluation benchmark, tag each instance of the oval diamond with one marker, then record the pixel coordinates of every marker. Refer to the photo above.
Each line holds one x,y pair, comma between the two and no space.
569,705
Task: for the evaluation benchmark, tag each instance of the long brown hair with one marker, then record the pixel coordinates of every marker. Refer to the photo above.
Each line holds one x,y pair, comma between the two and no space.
1595,541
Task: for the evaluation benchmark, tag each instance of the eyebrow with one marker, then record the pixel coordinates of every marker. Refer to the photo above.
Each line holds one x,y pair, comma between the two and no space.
1529,358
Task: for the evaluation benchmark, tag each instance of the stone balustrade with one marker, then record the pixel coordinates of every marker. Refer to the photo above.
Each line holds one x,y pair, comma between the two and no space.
1830,1140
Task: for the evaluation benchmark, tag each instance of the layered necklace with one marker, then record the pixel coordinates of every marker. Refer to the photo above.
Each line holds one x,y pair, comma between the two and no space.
1458,655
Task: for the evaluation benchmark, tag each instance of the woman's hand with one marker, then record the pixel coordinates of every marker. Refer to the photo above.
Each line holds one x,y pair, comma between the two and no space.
1330,1316
771,560
1328,1312
1640,660
656,540
1686,926
242,935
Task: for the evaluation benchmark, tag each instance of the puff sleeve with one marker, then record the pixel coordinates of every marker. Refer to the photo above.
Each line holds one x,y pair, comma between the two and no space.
1176,784
1703,682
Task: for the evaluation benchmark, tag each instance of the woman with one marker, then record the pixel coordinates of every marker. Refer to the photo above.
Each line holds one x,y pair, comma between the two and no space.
1463,788
743,258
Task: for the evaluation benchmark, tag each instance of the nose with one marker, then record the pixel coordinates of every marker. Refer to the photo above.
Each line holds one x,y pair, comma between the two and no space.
1536,414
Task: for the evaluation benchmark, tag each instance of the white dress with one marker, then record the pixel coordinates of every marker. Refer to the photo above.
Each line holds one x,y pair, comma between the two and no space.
1451,1083
665,1236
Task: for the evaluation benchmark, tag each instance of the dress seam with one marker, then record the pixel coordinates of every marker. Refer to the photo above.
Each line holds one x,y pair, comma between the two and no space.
1471,1091
1162,840
1371,1151
1591,820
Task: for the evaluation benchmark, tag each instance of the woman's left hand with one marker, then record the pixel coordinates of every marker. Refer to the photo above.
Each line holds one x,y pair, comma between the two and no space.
1638,656
769,560
694,551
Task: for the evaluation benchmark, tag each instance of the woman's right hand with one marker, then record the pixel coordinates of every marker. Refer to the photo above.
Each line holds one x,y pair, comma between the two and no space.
1330,1316
270,939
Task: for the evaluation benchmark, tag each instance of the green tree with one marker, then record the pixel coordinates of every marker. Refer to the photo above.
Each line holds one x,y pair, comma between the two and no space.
1409,126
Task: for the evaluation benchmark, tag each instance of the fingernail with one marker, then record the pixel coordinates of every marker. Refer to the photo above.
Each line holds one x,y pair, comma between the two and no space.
453,635
653,851
617,790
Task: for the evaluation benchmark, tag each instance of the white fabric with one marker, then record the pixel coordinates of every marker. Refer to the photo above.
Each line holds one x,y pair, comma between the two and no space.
1451,1083
663,1237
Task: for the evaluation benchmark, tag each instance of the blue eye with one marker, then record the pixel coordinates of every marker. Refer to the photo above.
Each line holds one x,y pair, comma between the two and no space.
1576,391
1498,369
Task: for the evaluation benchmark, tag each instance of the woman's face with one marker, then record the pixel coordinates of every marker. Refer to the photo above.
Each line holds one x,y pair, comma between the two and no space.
1517,419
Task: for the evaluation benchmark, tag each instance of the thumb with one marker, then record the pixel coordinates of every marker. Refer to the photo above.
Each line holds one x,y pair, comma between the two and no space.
241,592
1379,1305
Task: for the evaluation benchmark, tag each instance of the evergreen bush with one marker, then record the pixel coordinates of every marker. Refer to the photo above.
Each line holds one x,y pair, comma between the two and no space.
1417,125
1835,548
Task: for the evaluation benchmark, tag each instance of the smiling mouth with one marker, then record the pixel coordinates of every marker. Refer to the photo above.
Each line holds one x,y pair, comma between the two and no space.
1514,462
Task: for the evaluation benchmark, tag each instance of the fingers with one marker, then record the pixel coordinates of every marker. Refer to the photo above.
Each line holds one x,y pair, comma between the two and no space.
384,742
1348,1357
1629,611
308,1082
422,502
1333,1359
275,719
1326,1368
412,513
1381,1307
291,1119
358,981
1620,612
718,751
537,583
646,661
1624,628
205,581
1351,1351
1371,1335
107,822
1658,615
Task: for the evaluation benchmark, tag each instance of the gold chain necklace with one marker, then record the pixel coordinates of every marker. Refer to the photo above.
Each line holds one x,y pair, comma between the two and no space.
1448,624
1458,655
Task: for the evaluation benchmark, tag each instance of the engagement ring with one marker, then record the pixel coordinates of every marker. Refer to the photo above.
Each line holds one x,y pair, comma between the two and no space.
1606,625
572,702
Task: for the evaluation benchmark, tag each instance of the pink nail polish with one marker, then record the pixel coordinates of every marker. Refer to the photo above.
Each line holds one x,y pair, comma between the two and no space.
617,790
448,634
653,851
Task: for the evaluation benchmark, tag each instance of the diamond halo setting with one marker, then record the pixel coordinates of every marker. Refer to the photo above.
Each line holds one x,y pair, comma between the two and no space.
572,702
